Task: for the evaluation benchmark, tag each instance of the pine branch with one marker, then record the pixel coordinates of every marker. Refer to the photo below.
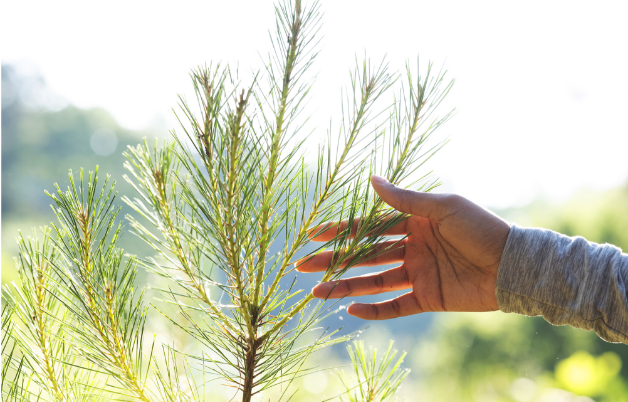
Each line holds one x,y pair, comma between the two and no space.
294,23
372,85
99,289
157,187
16,376
34,303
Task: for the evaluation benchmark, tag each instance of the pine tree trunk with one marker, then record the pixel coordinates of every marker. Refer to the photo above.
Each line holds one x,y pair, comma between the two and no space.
249,371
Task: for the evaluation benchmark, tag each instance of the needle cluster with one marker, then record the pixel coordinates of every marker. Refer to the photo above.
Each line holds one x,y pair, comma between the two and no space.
374,380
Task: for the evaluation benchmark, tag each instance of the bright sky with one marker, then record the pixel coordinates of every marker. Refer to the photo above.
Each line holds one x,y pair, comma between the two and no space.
541,87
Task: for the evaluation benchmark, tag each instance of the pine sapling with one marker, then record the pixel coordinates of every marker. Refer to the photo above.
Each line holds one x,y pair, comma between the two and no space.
373,380
236,182
230,207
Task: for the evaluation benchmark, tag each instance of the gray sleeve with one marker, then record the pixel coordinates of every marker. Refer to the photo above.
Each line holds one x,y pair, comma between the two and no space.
567,280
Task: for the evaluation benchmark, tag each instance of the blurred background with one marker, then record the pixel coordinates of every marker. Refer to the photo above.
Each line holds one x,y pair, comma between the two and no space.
540,138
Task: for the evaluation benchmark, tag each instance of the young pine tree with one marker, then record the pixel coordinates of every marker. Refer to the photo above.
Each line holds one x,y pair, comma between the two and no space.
229,207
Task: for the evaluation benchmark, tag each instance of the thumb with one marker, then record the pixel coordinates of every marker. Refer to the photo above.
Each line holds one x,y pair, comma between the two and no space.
411,202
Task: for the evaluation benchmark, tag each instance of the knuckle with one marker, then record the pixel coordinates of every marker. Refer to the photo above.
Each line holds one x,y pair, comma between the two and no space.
453,200
417,302
396,307
376,256
378,282
405,200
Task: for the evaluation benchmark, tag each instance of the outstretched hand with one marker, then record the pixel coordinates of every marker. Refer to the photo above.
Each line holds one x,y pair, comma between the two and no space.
449,258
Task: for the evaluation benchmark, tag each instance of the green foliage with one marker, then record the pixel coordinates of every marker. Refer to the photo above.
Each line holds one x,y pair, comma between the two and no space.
240,187
30,302
42,343
490,355
227,209
107,312
15,378
374,381
601,217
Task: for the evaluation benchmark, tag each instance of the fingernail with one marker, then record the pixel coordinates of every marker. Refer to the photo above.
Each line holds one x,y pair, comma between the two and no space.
379,179
354,308
298,264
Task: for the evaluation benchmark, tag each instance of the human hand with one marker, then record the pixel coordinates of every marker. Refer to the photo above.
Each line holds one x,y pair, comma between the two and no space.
449,258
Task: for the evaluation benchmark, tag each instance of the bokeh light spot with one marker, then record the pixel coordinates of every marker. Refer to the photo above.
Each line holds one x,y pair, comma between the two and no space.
315,383
523,389
104,142
584,374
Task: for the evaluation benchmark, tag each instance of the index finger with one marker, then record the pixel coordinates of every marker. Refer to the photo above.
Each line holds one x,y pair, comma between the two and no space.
329,230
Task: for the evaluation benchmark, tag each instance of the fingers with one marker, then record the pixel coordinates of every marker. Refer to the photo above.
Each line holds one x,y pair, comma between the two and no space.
371,284
401,306
384,253
411,202
329,230
426,205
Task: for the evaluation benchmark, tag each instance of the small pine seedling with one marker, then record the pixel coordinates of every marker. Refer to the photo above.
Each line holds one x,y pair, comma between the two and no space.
372,380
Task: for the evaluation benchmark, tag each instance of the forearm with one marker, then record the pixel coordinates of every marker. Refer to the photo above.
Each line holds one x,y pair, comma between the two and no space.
567,280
